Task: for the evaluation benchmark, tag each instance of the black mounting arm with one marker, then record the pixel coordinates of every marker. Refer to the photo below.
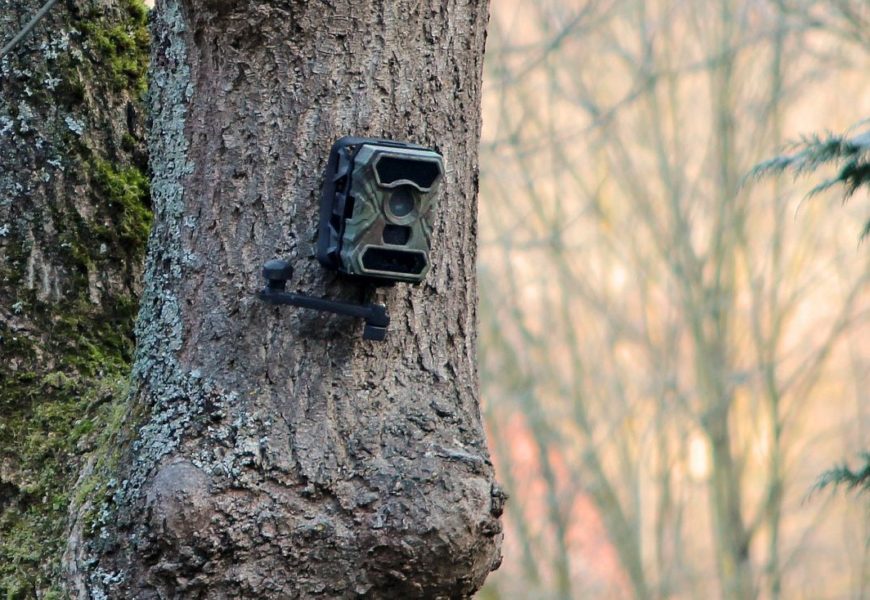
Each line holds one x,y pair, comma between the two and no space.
278,272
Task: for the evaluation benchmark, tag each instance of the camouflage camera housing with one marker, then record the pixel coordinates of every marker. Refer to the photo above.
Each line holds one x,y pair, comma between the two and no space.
376,209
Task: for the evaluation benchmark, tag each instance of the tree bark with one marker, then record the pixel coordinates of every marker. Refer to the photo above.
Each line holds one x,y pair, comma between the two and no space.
74,219
270,452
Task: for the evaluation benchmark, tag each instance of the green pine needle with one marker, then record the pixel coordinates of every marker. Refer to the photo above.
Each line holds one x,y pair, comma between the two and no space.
842,475
851,154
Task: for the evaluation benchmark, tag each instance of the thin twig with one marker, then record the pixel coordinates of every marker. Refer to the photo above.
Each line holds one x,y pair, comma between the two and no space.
30,25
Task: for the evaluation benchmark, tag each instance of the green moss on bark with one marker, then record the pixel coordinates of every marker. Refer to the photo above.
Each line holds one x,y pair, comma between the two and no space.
47,420
64,361
126,192
50,420
121,48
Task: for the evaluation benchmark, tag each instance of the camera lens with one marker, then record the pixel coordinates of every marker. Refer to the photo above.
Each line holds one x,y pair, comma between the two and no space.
401,202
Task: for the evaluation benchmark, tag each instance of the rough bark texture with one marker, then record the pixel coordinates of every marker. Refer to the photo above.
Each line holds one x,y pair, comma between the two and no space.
74,219
278,455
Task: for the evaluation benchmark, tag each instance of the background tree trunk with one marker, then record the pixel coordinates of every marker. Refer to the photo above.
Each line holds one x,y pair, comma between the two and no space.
74,219
271,452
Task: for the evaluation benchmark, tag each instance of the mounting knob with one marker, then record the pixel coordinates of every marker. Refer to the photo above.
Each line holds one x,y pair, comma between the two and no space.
277,273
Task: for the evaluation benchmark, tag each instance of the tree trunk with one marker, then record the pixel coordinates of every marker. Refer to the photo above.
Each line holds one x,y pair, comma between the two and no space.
276,454
74,220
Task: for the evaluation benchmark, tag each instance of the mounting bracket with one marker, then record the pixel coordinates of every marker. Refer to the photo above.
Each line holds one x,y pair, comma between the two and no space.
278,272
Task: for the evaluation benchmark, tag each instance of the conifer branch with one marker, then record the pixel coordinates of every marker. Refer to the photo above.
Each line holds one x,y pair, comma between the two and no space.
858,479
850,154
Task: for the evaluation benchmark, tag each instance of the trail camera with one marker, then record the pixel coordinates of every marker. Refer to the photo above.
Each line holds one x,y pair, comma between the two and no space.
376,209
375,224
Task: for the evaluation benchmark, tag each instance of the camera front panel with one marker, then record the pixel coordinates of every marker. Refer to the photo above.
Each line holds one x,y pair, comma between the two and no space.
379,220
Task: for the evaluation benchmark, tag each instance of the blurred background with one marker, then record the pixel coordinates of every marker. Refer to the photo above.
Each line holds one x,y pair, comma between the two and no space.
672,353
